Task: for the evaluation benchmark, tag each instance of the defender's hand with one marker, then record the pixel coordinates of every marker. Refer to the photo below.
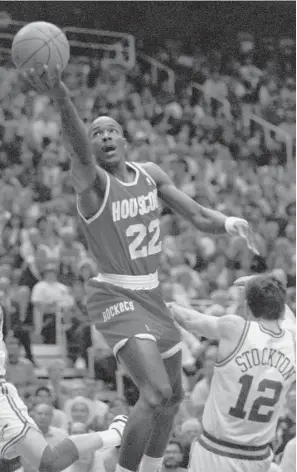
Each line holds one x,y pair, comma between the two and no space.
240,227
46,85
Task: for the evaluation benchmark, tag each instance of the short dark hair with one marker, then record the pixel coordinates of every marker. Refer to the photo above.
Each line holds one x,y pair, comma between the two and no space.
43,389
266,297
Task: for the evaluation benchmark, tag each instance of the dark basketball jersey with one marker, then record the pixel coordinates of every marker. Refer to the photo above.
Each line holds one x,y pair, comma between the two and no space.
124,236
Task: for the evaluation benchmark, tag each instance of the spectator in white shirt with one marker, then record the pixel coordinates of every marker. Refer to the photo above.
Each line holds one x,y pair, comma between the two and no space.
48,296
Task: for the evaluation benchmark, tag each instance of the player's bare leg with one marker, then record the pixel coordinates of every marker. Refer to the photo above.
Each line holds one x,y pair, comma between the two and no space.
163,422
143,362
36,451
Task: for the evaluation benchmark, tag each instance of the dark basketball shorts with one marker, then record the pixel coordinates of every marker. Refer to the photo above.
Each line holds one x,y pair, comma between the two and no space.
119,314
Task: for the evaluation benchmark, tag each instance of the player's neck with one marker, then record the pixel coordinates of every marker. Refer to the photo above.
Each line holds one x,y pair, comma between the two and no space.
124,173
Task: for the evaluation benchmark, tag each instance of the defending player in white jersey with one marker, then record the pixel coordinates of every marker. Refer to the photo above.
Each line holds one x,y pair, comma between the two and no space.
19,435
253,374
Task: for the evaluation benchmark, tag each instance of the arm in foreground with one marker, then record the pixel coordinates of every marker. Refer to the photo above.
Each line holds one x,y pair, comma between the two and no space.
203,325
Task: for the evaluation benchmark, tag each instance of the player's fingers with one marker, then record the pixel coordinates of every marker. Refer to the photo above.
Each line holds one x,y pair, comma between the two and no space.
50,82
37,81
30,79
58,73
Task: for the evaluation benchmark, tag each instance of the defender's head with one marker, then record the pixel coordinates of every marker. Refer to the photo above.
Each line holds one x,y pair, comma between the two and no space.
266,297
108,142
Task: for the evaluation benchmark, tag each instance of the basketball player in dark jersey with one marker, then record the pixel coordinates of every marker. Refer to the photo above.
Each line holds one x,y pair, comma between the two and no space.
118,204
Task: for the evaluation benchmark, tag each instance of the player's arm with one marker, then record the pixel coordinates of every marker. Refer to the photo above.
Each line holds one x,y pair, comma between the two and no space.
204,219
205,325
85,175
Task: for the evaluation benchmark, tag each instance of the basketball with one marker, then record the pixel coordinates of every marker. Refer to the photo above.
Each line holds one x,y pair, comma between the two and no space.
38,44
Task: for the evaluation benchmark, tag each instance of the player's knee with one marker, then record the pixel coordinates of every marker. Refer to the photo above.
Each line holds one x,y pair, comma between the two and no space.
158,395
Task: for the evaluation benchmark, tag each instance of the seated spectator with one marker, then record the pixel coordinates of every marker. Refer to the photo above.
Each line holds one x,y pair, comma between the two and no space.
43,415
48,296
43,395
82,410
19,371
201,389
56,385
173,457
288,462
72,253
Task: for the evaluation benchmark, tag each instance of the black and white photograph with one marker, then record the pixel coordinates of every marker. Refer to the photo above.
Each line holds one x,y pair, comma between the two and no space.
148,236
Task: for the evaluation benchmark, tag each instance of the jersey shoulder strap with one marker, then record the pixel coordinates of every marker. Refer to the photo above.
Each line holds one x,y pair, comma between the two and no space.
142,169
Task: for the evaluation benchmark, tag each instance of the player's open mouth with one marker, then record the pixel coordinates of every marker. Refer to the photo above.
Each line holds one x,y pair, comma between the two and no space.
109,150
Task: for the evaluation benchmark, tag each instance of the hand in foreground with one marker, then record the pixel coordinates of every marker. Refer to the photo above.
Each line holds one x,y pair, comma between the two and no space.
240,227
46,85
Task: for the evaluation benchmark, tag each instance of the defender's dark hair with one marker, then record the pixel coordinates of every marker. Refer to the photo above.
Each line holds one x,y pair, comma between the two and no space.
266,297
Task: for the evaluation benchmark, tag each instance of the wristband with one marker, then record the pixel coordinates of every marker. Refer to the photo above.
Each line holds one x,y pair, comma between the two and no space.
229,224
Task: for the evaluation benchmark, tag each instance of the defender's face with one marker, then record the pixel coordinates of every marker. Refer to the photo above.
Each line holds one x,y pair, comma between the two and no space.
108,142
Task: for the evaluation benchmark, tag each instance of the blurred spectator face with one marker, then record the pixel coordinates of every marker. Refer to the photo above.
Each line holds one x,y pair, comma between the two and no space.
28,399
68,236
270,231
56,371
80,413
43,397
43,416
50,275
78,428
173,456
190,430
13,350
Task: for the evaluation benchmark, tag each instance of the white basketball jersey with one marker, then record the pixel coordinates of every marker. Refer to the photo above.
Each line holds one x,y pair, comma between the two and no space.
2,345
248,390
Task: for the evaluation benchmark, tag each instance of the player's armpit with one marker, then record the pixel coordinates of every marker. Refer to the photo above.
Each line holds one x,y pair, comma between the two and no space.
202,218
91,198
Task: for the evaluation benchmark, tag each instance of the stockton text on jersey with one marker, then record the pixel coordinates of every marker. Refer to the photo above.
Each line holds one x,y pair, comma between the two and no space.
267,356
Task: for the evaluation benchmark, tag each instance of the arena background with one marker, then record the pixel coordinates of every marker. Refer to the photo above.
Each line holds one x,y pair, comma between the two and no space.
258,166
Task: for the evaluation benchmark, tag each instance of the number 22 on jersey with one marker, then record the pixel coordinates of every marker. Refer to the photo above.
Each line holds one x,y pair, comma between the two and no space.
137,247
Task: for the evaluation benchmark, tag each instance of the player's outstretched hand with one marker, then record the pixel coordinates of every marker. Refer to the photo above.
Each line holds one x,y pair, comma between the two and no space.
46,85
119,424
240,227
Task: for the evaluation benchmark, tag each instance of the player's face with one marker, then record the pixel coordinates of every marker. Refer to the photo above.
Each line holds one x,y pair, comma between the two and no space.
108,142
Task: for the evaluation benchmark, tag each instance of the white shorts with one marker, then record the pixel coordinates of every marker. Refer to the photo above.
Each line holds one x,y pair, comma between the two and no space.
14,420
203,460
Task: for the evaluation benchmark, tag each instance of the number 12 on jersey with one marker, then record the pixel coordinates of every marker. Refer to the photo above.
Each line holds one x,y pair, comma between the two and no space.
246,381
137,248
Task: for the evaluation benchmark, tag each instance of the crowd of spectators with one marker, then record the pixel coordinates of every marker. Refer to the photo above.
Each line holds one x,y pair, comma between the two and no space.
215,159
